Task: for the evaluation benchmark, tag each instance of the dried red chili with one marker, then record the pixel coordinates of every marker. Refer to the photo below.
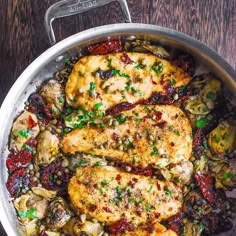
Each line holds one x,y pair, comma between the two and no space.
105,48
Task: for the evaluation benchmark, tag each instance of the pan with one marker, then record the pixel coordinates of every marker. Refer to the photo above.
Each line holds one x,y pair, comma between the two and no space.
52,60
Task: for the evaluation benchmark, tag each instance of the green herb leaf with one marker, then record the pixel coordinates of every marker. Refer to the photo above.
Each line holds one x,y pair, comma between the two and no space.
154,152
121,118
148,208
92,88
97,106
104,182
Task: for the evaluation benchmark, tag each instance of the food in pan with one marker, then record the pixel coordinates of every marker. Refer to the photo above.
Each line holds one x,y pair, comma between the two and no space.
127,139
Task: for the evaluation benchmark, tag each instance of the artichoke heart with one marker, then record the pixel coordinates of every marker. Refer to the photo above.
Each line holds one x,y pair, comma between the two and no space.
221,140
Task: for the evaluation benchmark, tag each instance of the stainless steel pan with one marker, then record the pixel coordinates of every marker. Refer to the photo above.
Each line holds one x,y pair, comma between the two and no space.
52,60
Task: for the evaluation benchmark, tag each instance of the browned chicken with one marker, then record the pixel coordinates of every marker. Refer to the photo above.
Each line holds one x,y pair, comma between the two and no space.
120,77
109,194
154,135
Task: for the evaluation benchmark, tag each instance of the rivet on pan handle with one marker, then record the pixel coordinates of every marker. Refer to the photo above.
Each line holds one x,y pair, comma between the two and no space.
72,7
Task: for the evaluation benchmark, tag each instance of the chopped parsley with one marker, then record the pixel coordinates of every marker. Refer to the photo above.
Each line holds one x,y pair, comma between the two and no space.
104,182
60,99
121,118
24,133
168,192
227,175
97,106
138,67
28,214
148,208
92,88
98,163
25,146
119,191
154,152
128,86
157,67
132,199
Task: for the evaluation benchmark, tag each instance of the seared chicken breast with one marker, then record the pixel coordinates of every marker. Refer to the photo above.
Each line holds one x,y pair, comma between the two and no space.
120,77
147,135
109,194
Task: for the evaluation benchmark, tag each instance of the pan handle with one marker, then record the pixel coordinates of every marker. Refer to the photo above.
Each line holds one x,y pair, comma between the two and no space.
73,7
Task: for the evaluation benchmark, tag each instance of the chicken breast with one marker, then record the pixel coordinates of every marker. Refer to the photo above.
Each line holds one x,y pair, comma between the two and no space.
109,194
146,135
120,77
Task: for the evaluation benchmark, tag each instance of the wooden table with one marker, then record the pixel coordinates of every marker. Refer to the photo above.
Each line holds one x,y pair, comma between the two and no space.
23,38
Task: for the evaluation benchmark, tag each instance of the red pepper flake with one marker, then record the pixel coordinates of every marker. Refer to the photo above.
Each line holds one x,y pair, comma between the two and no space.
125,58
118,177
31,123
158,186
105,47
161,124
205,182
92,208
157,215
107,209
120,226
172,144
115,136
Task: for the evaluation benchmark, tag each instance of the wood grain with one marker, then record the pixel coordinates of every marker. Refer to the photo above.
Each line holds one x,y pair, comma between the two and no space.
23,38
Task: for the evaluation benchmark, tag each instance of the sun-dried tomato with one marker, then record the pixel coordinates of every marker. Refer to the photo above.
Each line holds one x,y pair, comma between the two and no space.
174,222
216,223
205,182
105,47
120,226
31,142
38,106
124,106
49,182
16,160
125,58
31,123
186,62
147,171
18,180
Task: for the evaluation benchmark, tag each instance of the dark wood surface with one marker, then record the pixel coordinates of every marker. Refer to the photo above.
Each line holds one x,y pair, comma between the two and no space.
23,38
